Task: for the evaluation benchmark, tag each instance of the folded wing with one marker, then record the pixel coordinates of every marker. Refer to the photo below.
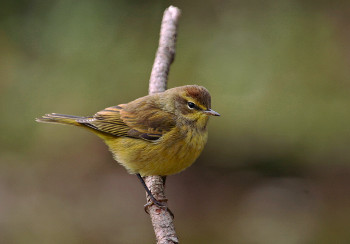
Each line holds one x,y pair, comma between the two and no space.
143,121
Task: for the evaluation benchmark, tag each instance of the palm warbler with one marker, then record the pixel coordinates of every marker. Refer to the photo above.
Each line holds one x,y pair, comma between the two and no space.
159,134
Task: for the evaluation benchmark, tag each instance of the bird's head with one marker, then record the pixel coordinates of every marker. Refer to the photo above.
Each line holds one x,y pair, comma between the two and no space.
192,105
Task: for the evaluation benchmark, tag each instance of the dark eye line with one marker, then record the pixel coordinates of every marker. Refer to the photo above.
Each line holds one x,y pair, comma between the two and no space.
194,106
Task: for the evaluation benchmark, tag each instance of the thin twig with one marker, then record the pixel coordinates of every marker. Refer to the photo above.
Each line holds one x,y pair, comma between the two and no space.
162,220
166,50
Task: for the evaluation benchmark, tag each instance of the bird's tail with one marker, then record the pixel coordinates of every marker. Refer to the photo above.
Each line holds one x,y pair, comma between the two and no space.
60,119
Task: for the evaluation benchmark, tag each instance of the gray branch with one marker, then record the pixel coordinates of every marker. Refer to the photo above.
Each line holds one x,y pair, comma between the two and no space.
166,50
162,221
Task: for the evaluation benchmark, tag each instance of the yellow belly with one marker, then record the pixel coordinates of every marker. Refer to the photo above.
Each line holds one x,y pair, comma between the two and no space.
172,153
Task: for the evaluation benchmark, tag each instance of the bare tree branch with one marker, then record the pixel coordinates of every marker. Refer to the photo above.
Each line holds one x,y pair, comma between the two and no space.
166,50
162,220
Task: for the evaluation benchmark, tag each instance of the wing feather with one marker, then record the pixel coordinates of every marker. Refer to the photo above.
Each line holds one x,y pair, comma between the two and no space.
143,121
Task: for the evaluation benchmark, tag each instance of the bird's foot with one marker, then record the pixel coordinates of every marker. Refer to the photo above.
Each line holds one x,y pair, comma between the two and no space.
159,204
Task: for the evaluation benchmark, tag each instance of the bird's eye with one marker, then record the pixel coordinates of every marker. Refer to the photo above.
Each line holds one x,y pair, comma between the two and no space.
191,105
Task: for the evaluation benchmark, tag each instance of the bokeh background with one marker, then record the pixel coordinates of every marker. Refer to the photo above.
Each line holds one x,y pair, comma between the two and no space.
277,165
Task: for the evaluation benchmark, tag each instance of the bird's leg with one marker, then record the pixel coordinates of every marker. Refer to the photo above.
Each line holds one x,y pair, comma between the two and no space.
164,179
153,199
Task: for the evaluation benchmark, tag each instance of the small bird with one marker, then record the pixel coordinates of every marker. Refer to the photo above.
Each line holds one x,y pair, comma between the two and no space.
159,134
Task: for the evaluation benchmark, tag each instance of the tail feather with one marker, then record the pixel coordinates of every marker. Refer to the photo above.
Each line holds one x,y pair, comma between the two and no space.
60,119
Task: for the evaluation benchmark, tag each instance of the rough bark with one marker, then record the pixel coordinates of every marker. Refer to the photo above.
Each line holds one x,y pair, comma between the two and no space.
162,220
166,50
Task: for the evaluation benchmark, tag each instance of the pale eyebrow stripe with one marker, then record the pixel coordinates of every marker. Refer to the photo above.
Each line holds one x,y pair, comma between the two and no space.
190,99
201,107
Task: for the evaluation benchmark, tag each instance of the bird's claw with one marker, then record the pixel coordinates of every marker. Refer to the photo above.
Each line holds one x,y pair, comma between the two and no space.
158,204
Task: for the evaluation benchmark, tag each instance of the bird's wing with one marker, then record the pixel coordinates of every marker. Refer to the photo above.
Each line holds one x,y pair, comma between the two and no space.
147,117
107,121
144,123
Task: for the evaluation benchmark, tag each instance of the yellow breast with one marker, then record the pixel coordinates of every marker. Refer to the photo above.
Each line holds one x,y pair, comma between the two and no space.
172,153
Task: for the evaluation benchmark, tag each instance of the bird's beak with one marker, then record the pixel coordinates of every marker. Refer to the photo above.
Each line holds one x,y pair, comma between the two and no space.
211,112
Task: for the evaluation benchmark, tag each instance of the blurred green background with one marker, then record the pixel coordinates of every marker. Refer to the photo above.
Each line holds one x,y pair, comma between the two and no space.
277,165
